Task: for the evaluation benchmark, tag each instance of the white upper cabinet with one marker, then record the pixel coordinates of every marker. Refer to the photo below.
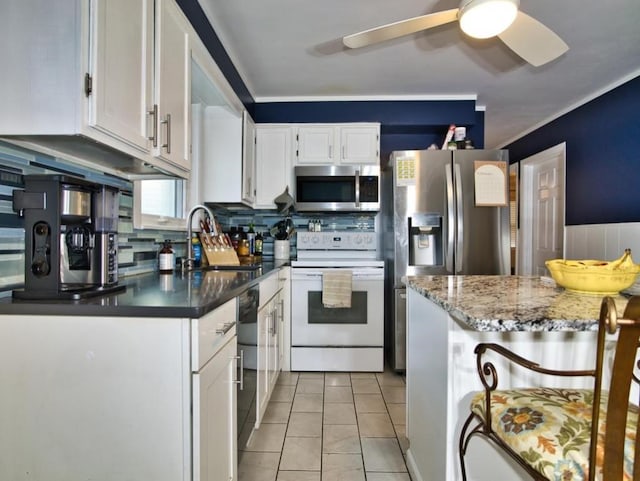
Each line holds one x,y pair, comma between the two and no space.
360,144
316,144
222,134
248,159
121,66
274,172
335,144
172,75
81,81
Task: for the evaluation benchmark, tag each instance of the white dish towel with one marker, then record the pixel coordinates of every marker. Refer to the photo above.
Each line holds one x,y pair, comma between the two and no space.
336,288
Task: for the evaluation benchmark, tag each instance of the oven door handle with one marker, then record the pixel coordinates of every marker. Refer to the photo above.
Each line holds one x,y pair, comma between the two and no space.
356,274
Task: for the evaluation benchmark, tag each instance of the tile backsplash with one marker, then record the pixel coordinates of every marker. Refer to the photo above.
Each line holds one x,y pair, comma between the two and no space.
138,249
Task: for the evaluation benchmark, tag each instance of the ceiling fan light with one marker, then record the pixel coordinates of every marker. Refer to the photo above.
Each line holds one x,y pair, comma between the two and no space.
487,18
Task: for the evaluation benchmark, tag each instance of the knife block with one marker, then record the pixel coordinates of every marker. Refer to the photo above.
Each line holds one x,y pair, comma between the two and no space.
217,253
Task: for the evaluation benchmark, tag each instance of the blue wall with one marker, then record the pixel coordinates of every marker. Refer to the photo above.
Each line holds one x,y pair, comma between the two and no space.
405,125
603,156
603,136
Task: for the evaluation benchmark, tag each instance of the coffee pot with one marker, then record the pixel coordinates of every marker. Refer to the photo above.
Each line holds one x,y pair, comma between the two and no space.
71,239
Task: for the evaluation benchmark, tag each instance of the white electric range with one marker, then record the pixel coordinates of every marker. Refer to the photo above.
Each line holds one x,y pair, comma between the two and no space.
345,338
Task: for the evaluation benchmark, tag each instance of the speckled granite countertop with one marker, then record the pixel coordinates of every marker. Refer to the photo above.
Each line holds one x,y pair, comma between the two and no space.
512,303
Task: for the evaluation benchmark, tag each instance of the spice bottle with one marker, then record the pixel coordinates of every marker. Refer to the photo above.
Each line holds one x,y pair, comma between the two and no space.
166,258
197,250
258,245
235,237
251,237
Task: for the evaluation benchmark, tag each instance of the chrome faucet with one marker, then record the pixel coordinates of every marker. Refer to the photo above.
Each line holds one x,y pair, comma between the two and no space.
189,261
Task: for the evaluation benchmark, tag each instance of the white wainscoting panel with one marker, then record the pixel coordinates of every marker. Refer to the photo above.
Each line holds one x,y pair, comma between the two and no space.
603,241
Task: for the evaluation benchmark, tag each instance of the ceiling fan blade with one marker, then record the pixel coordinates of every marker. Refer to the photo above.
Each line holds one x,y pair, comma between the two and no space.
400,29
533,41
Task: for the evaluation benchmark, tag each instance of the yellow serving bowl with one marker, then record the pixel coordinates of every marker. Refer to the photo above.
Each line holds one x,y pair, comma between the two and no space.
592,276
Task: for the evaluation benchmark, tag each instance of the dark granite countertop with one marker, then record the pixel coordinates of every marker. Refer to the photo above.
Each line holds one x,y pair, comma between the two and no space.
512,303
192,295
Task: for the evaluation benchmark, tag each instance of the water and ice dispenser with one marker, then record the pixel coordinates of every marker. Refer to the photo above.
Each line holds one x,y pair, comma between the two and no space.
425,240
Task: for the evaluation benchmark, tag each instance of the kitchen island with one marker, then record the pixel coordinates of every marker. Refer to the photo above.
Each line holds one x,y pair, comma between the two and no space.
447,317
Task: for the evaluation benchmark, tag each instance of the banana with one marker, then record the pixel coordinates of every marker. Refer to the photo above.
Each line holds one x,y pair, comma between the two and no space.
622,262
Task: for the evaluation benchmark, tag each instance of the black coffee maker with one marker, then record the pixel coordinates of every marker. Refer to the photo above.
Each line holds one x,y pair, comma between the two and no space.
71,239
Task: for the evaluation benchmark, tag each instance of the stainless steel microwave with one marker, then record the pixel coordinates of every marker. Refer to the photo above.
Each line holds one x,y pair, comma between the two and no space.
349,188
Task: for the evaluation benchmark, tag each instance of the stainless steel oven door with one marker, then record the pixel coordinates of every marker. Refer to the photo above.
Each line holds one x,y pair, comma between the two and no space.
315,325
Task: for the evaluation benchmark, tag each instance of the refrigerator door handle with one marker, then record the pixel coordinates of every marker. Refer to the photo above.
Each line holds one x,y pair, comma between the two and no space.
459,219
450,220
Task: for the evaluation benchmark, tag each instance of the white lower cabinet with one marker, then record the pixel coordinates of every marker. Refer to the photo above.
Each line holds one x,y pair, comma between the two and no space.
284,324
214,417
268,343
114,398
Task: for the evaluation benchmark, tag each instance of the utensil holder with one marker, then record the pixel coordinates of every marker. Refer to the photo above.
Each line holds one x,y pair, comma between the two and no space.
281,249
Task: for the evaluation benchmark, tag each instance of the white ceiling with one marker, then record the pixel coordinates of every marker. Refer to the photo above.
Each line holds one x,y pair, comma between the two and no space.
292,50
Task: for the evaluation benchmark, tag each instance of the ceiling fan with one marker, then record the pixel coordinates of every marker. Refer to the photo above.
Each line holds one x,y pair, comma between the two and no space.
526,36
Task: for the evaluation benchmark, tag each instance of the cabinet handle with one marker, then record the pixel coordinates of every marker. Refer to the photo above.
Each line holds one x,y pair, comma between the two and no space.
167,145
154,113
275,321
281,310
331,151
241,380
226,327
343,152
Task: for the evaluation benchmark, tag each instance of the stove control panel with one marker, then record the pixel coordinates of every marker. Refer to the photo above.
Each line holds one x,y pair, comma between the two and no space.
338,240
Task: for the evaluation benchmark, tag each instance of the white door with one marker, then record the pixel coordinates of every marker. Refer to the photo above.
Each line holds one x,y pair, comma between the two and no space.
316,144
542,210
265,315
248,159
122,59
273,164
214,418
360,144
173,88
314,325
274,333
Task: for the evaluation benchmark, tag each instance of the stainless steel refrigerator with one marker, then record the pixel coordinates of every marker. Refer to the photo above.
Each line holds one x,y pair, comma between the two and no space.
444,212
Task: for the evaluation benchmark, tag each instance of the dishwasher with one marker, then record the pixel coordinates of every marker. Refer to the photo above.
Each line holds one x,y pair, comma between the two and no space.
247,332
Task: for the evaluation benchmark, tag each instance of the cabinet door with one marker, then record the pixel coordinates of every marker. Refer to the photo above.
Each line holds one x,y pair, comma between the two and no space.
214,417
284,338
172,76
273,349
262,383
360,144
273,164
248,159
122,59
315,144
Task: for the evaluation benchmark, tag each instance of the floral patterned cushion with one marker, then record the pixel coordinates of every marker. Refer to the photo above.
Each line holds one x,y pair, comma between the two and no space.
550,429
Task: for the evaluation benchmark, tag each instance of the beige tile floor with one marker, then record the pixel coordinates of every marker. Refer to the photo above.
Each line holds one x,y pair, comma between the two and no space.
328,427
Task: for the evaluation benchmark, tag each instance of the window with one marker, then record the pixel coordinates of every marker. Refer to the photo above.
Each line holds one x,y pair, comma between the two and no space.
160,204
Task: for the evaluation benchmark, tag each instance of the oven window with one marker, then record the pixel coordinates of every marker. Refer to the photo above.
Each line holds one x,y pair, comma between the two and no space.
325,189
318,314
